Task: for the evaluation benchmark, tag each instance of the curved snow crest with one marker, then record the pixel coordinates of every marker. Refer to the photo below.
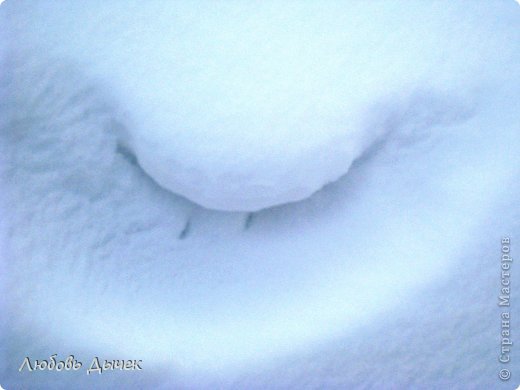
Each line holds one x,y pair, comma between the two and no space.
202,289
246,106
98,243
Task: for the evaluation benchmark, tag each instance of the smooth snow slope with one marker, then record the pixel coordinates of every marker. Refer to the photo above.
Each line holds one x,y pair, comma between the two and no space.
101,261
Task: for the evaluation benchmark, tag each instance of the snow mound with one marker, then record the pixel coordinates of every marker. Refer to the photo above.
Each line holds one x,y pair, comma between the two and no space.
101,260
245,106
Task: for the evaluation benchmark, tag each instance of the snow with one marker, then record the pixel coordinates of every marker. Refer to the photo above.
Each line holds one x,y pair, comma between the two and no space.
249,106
394,126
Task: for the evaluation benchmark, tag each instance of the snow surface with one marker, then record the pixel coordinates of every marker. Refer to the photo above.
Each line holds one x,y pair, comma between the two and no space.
241,106
249,105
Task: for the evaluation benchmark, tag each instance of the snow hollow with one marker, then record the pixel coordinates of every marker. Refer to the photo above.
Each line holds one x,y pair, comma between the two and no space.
221,188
